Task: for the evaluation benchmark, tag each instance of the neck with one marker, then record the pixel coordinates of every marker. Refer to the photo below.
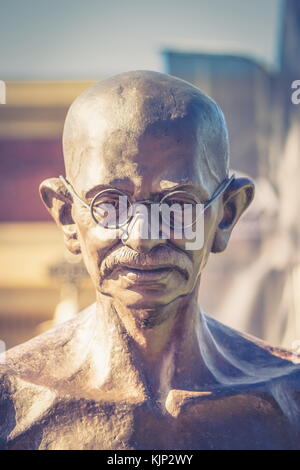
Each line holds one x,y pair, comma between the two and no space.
152,350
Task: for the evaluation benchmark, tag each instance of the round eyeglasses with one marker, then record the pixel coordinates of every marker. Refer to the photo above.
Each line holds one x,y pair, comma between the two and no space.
112,208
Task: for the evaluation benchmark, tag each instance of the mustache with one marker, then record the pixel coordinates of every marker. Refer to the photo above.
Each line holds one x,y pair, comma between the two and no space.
160,257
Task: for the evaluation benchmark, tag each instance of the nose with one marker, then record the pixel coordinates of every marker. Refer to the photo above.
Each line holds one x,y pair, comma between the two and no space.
142,234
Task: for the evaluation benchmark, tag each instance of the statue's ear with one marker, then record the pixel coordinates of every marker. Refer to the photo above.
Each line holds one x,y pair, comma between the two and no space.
59,203
235,201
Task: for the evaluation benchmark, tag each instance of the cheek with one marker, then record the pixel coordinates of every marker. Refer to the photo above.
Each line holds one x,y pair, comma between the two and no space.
91,234
201,242
211,222
94,240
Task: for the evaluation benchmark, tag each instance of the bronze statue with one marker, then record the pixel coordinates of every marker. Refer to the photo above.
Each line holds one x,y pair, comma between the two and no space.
143,367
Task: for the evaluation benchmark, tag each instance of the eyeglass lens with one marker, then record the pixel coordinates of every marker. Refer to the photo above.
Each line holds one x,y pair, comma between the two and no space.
112,209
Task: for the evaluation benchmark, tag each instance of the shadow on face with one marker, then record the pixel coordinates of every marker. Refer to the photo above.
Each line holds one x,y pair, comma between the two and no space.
144,134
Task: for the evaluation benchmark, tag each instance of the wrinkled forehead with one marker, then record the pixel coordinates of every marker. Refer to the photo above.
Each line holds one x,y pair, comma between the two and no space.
142,137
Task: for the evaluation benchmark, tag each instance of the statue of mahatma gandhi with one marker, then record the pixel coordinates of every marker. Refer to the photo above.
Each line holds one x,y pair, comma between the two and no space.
143,367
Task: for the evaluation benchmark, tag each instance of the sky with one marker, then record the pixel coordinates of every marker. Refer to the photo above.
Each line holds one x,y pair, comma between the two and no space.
90,39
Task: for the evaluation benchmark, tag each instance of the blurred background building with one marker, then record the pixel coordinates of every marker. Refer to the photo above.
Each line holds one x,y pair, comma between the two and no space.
37,278
258,277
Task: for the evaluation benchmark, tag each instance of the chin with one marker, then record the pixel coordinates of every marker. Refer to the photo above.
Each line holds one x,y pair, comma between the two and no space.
144,299
149,314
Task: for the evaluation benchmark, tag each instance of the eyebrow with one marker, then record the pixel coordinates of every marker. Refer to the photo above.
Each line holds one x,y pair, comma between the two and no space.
96,189
190,187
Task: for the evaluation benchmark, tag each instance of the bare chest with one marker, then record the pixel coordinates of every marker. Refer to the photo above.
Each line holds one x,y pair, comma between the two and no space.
237,421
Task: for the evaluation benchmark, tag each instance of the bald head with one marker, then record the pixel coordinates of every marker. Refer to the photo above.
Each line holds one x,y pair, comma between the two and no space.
113,119
145,135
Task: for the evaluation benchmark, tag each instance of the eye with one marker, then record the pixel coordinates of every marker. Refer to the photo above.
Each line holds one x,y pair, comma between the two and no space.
180,198
106,203
182,207
110,208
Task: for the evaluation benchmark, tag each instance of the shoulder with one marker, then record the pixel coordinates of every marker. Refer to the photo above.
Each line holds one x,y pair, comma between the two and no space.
256,367
22,403
47,351
253,356
29,375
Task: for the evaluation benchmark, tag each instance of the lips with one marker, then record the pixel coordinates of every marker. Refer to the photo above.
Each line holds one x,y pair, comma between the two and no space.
145,273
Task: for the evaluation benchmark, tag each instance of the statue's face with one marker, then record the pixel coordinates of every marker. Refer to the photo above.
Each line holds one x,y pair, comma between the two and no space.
145,133
164,157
